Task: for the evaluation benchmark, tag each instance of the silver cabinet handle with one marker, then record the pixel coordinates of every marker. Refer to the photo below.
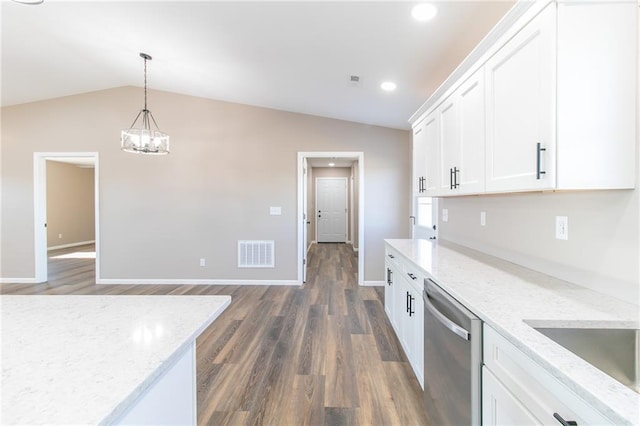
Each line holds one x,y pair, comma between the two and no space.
459,331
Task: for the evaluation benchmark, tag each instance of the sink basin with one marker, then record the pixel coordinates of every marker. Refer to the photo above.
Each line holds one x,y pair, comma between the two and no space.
613,351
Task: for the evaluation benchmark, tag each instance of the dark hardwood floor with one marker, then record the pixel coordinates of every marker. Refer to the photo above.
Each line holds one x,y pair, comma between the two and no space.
323,353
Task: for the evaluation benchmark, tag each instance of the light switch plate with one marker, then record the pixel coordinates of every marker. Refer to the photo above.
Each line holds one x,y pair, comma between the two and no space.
445,215
562,227
275,211
483,218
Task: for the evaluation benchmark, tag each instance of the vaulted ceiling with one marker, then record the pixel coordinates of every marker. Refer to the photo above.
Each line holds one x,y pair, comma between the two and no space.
290,55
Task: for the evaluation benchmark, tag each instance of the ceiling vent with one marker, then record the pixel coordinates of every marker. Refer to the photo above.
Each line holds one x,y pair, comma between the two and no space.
355,81
256,254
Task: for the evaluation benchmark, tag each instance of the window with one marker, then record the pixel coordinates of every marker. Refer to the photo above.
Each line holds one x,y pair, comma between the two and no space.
425,212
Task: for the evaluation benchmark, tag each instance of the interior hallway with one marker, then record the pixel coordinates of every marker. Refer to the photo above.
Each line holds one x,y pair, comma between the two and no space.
324,353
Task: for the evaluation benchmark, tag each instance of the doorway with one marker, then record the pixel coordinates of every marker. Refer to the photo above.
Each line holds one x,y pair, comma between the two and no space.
425,218
356,186
40,159
331,210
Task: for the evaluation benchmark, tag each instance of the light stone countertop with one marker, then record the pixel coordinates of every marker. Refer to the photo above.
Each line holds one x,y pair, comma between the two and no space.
85,359
505,295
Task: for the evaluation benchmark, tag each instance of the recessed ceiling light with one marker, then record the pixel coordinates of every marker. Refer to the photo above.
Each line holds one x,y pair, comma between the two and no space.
332,164
388,86
29,1
424,12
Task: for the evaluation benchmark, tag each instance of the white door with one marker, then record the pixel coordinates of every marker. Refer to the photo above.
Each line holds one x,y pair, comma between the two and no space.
425,218
331,210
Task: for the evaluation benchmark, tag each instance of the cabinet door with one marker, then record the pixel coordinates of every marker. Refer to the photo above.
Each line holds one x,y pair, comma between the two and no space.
471,134
399,314
432,149
416,321
597,94
419,159
449,145
520,81
388,290
499,406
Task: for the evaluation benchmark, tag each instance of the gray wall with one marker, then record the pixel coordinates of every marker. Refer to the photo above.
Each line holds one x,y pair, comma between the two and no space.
228,164
602,251
70,204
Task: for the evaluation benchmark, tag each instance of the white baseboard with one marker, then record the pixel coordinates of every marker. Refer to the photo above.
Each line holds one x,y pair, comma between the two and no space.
18,281
372,284
163,281
81,243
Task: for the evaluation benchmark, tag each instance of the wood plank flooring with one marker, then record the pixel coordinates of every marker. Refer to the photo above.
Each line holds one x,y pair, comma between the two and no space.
320,354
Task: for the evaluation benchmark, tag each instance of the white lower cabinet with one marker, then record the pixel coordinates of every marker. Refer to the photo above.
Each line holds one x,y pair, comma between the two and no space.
404,307
411,330
501,407
518,391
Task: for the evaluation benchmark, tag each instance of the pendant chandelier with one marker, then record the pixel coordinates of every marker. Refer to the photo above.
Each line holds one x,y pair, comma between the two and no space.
145,139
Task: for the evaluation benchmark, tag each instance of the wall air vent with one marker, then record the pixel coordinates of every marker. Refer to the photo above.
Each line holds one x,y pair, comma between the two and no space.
256,254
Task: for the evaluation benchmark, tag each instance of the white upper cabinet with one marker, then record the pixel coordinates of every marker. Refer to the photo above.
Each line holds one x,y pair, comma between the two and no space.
425,157
449,146
520,149
597,91
432,153
549,103
419,159
469,169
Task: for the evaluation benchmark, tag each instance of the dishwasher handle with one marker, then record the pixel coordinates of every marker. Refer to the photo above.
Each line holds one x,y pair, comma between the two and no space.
459,331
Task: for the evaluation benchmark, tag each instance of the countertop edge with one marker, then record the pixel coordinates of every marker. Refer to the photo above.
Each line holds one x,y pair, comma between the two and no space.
147,383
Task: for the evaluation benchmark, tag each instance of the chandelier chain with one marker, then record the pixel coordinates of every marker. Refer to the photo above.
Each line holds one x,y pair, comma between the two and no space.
145,84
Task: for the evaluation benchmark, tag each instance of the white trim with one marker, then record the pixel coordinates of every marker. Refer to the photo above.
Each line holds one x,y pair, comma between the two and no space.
360,158
81,243
182,281
18,281
372,284
40,208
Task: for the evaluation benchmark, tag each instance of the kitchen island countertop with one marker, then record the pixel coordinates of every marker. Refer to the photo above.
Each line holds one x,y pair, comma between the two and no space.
86,359
512,299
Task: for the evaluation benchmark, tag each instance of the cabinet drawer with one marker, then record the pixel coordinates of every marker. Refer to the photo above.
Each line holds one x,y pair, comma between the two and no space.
393,259
533,386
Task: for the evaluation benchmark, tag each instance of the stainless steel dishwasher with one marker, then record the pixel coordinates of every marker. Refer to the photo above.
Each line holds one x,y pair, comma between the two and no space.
452,359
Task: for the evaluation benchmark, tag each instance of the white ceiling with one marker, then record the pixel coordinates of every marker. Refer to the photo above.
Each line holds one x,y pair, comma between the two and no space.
292,55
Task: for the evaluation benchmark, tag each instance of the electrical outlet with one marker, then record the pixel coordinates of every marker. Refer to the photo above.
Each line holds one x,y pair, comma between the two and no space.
59,236
483,218
445,215
562,227
202,262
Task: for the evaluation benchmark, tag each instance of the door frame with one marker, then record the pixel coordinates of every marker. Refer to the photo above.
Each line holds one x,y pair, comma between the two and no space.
347,228
356,156
40,208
